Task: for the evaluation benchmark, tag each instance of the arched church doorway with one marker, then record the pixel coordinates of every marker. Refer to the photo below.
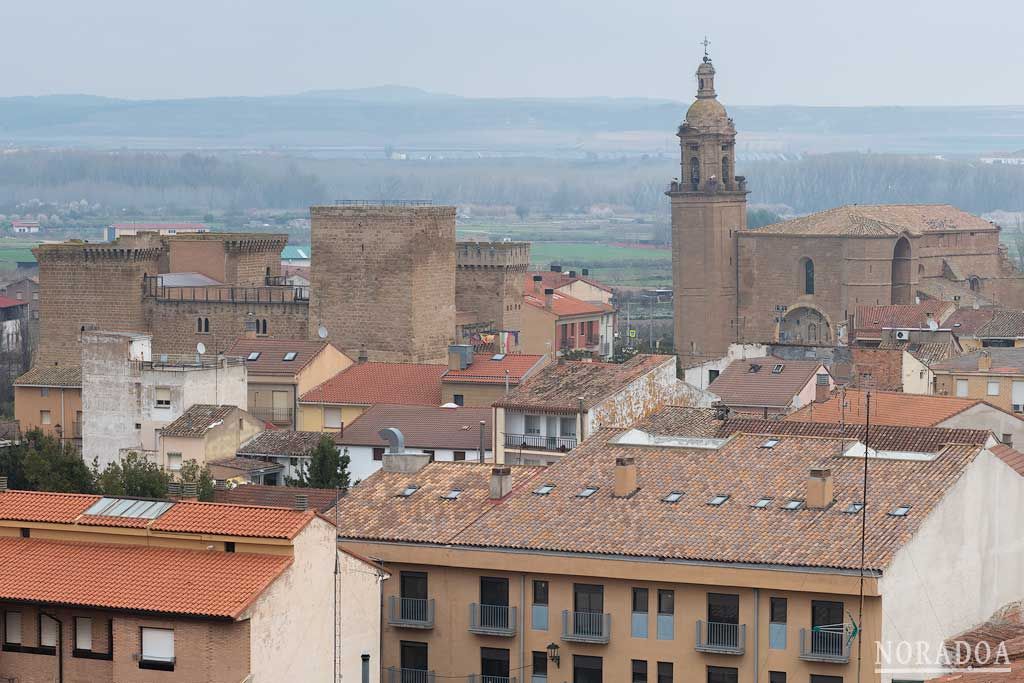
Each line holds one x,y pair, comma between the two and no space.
805,325
902,287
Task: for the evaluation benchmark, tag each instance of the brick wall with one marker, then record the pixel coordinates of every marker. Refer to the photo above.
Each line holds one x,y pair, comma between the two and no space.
83,284
489,281
877,369
384,276
175,329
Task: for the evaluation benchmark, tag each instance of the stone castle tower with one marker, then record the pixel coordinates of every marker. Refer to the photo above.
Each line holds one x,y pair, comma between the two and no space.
709,207
489,281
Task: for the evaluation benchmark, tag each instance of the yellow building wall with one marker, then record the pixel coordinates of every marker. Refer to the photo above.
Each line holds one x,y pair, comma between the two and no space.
222,441
326,365
977,387
538,333
64,405
474,395
311,416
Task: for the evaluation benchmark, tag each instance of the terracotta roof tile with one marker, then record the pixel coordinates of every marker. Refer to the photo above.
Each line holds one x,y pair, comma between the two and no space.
880,220
8,302
682,421
739,386
272,353
243,465
135,577
182,516
644,525
553,280
966,320
422,426
281,442
557,387
871,320
564,305
1014,459
373,382
52,376
1005,361
882,437
486,370
320,500
1004,324
887,408
197,420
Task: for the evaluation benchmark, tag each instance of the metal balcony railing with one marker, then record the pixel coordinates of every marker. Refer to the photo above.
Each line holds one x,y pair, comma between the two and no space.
480,678
538,442
396,675
410,612
586,627
273,415
721,638
492,620
824,646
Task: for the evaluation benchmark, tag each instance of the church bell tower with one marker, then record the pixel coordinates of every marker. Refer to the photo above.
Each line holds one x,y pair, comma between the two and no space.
709,206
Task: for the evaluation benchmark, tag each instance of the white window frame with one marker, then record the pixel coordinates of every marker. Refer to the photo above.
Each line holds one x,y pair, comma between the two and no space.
171,465
526,425
154,645
161,402
45,417
47,631
992,383
83,634
12,628
332,423
962,388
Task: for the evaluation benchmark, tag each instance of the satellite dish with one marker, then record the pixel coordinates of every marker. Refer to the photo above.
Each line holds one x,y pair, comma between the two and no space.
200,348
321,332
932,325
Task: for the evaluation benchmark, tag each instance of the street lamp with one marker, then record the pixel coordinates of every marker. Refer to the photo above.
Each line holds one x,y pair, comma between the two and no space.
553,654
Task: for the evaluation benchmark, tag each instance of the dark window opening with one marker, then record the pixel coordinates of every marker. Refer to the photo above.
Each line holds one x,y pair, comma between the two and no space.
540,592
378,453
640,600
639,671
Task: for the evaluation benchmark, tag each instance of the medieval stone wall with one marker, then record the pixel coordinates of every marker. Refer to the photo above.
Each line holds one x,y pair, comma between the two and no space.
489,281
175,324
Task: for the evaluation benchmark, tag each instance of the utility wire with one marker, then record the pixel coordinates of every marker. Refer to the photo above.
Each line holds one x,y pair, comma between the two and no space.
863,536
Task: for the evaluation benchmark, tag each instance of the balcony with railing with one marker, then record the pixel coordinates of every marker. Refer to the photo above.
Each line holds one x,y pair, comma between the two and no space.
396,675
539,442
480,678
586,627
410,612
824,646
492,620
277,416
720,638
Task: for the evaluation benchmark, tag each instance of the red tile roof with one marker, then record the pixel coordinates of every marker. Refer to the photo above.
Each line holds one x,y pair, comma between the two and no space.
428,427
564,305
740,386
486,370
182,516
881,437
320,500
885,220
1014,459
887,408
8,302
966,321
135,577
870,320
553,280
271,355
373,382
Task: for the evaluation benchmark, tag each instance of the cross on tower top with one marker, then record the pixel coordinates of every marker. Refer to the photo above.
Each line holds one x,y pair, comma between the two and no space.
705,43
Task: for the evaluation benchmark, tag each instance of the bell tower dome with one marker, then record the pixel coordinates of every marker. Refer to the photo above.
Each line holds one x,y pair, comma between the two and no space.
709,206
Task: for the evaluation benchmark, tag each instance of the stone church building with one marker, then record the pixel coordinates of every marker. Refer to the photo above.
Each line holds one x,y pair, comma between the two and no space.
801,280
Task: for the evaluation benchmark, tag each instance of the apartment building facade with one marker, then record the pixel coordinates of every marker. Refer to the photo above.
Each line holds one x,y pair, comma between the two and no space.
679,561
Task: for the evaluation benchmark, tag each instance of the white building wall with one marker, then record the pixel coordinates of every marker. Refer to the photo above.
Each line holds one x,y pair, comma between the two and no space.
362,464
917,377
697,375
637,399
291,627
223,386
359,618
992,419
964,563
810,390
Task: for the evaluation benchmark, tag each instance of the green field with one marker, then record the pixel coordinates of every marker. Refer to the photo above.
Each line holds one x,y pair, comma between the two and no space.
614,265
12,251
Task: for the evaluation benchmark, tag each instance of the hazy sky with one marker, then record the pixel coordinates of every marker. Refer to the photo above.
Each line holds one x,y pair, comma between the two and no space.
767,51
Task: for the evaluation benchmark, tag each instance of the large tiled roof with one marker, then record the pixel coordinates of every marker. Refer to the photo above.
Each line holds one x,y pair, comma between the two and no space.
135,577
564,305
237,464
486,370
881,437
873,319
930,353
1005,361
965,321
887,408
553,280
272,352
320,500
282,443
646,526
558,387
1011,457
740,386
881,220
181,516
429,427
372,382
941,288
682,421
1005,323
67,376
197,420
996,645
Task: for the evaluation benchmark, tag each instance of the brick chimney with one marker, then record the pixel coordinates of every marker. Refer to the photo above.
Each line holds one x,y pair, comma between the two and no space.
189,490
820,488
625,477
301,502
538,287
501,482
821,388
549,298
985,361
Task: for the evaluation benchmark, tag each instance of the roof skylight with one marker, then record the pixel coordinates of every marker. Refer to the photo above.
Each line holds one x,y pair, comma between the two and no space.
770,443
408,491
453,494
587,492
290,355
854,508
544,489
129,507
719,499
900,511
762,503
673,497
793,504
255,355
778,368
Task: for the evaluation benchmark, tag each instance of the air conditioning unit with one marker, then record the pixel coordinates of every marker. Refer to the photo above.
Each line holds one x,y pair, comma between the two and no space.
902,335
1018,408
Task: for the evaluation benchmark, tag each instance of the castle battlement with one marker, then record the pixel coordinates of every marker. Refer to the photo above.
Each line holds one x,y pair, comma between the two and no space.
514,255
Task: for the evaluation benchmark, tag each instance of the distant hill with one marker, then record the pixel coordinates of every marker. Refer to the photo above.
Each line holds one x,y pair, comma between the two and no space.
362,120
